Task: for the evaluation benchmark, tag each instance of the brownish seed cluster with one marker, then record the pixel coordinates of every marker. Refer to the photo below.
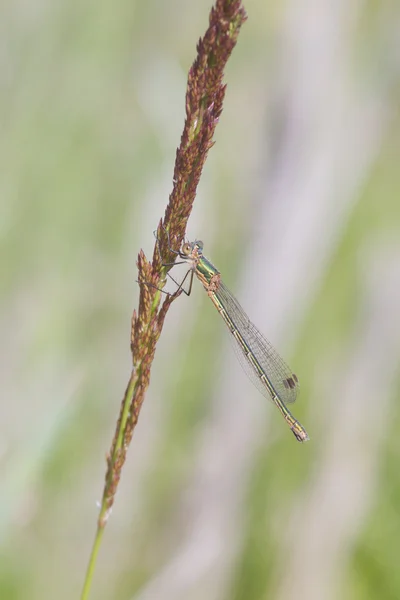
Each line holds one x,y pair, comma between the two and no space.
204,98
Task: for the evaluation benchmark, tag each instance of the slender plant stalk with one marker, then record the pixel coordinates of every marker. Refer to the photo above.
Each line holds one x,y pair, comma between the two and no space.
204,97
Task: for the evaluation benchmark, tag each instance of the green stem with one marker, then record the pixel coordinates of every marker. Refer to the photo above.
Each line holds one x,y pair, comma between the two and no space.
125,414
103,515
92,563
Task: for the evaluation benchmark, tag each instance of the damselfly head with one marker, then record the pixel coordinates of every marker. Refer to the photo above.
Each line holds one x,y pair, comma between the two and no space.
189,247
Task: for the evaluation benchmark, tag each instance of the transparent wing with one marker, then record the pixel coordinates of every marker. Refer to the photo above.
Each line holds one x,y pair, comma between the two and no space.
284,382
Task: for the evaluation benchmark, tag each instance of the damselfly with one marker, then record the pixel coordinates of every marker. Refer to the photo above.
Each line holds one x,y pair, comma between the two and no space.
259,359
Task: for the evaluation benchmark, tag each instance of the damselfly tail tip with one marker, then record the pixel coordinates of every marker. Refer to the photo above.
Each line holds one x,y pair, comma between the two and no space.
300,433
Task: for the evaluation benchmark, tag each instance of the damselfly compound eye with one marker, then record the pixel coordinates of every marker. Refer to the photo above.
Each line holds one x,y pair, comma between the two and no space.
186,248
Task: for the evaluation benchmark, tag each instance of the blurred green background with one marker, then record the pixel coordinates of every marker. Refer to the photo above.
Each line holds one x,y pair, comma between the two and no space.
298,207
